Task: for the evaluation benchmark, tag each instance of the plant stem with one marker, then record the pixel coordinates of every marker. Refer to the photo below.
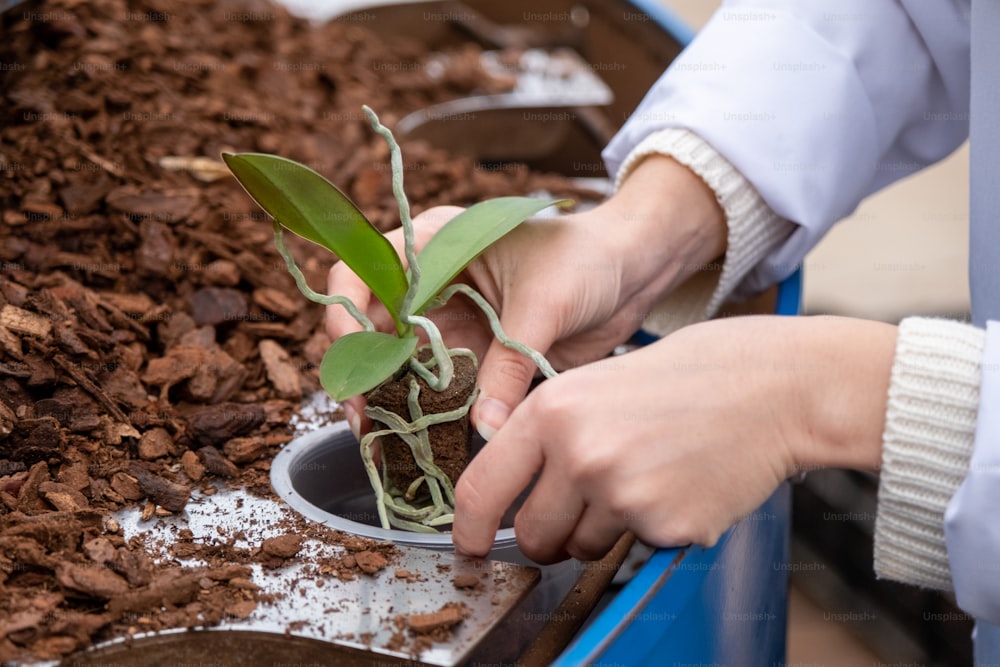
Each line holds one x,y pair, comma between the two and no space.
409,245
308,292
446,369
540,361
413,266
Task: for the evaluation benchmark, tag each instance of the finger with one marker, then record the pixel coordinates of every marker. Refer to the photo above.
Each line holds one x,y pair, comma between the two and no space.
354,415
494,478
342,281
595,533
505,374
426,224
548,517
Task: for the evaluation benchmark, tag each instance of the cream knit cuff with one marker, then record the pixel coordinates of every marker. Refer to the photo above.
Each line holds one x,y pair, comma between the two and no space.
754,229
926,447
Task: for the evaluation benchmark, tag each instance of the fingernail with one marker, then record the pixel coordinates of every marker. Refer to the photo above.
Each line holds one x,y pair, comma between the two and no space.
353,420
490,416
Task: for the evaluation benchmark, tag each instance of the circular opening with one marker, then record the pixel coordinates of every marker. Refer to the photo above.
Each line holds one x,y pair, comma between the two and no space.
322,476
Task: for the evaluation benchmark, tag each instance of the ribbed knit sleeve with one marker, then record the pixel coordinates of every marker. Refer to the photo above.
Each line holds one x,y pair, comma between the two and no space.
926,447
754,230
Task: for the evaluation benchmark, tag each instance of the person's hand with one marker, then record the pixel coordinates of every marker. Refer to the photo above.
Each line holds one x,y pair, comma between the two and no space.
571,287
679,440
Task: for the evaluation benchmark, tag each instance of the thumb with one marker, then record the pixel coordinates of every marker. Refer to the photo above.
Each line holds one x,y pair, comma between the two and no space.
505,374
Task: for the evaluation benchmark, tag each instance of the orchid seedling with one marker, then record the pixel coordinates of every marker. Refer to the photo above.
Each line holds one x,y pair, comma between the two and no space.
304,202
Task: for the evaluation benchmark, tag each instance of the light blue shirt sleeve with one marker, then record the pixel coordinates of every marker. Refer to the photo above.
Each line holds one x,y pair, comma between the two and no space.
972,520
817,104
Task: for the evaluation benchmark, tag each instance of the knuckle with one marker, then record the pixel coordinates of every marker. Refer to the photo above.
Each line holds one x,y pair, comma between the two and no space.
514,370
620,503
534,540
656,523
588,464
550,401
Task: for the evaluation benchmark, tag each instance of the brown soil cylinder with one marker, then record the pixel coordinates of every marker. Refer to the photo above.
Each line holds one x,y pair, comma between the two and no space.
450,442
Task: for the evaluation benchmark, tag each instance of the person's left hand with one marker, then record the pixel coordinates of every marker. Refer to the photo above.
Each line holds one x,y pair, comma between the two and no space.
679,440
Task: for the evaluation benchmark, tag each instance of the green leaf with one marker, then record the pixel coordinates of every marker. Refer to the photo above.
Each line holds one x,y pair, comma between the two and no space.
465,236
307,204
359,361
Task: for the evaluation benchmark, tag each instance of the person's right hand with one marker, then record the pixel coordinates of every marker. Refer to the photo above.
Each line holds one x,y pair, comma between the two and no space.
571,287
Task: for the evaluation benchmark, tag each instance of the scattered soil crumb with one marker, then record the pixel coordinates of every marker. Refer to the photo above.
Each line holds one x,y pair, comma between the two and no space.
370,562
466,581
409,577
438,624
283,546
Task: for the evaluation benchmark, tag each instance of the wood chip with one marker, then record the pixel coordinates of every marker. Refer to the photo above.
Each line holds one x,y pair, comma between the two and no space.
172,587
192,466
155,443
280,369
10,343
213,424
24,322
126,486
62,497
245,450
216,305
204,169
98,582
7,420
222,272
179,363
90,386
134,303
161,491
277,302
167,206
216,463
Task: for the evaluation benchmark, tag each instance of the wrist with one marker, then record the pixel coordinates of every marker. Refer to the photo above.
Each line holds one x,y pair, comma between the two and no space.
842,390
669,225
